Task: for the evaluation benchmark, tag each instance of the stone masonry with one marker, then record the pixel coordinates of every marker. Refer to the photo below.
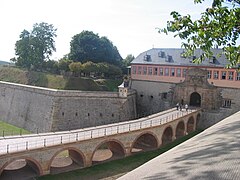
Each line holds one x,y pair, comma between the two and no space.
42,110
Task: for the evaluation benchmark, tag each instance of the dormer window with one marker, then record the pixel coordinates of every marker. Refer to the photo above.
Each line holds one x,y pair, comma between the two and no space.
147,57
212,60
161,54
169,58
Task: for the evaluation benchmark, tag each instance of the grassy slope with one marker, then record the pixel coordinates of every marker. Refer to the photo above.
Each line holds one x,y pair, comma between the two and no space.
12,74
8,129
118,167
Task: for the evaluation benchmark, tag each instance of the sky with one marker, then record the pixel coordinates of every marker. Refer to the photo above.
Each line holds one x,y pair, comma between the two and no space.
129,24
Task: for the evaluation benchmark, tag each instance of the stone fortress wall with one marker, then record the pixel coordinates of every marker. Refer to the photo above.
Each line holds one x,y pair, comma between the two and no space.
152,97
42,110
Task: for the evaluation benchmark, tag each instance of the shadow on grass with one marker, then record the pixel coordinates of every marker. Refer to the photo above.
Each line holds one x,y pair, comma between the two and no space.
117,167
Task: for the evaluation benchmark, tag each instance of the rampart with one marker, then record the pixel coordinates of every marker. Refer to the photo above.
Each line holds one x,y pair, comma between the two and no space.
40,109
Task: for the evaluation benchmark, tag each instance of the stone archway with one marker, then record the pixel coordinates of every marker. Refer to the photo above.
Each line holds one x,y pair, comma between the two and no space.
180,129
23,168
167,135
65,160
195,99
190,125
107,151
145,142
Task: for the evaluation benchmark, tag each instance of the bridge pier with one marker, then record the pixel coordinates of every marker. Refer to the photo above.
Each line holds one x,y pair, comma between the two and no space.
128,151
88,159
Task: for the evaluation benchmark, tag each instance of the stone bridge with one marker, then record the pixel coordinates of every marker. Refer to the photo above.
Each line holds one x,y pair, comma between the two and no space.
41,154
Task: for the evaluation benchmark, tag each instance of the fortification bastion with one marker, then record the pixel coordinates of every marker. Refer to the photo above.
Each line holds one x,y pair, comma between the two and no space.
40,109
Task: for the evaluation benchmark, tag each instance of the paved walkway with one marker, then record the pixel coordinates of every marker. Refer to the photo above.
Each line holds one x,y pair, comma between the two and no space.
213,154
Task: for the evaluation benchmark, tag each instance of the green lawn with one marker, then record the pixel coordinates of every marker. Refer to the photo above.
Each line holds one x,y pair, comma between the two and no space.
22,76
117,167
9,130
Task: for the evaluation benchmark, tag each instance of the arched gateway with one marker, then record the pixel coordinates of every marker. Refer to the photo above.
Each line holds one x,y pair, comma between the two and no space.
195,99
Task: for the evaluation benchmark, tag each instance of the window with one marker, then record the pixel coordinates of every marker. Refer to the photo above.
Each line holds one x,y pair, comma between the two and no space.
166,72
224,74
160,71
139,69
184,72
230,75
213,59
227,103
144,70
134,70
149,70
178,72
238,76
169,58
161,54
215,74
147,57
209,74
155,72
172,71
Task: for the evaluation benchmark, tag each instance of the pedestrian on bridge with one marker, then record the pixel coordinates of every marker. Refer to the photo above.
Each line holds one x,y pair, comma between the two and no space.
186,107
177,106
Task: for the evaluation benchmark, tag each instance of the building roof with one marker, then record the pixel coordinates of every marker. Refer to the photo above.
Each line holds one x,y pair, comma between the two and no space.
212,154
172,56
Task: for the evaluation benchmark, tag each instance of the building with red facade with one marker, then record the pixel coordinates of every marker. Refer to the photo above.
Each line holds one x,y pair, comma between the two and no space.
158,73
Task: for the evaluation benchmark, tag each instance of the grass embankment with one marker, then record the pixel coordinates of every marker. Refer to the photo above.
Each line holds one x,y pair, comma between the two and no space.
118,167
21,76
9,130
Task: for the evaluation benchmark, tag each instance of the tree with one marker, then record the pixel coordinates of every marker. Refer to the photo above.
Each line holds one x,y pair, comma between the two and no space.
63,64
89,67
50,66
76,68
23,50
127,61
218,26
89,46
36,46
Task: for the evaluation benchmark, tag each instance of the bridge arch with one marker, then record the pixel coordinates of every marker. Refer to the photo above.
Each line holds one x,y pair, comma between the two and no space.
72,158
180,129
167,135
22,164
144,142
107,150
190,124
198,121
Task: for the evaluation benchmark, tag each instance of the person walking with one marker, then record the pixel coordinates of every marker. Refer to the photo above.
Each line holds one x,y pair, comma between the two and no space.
177,106
186,107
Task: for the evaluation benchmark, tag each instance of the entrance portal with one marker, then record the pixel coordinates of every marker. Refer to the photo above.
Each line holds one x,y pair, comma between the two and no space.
195,99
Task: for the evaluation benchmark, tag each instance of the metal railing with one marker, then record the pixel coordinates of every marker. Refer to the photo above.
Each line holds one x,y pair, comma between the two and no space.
50,139
19,132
